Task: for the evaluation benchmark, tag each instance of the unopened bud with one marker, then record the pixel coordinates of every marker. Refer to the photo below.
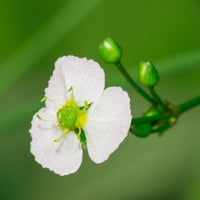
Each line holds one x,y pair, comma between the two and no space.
148,74
110,51
142,130
152,111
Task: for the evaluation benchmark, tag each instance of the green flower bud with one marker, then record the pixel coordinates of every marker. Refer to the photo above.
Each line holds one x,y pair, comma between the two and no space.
142,130
110,51
151,112
67,116
172,121
148,74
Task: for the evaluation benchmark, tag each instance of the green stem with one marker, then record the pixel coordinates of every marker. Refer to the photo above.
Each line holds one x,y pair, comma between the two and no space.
183,108
134,84
140,120
189,104
157,98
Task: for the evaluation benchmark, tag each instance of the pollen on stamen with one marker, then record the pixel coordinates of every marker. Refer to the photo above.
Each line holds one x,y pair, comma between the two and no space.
44,99
86,105
57,105
70,89
63,134
54,122
38,116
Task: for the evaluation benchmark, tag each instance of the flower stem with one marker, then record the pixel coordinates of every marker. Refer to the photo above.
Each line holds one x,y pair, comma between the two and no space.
141,120
157,98
183,108
134,84
189,104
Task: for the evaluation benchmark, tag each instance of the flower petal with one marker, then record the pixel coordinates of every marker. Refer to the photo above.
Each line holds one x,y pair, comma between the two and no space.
63,157
108,123
85,76
56,90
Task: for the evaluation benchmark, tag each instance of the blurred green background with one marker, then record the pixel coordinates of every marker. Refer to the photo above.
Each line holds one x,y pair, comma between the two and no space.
35,33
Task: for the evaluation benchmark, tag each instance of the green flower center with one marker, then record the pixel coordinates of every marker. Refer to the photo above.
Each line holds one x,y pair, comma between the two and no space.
67,116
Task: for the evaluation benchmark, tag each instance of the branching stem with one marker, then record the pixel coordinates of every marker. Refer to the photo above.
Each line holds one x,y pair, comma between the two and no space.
134,84
141,120
158,99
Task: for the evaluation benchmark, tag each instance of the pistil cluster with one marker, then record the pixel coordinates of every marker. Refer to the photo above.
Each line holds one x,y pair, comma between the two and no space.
71,117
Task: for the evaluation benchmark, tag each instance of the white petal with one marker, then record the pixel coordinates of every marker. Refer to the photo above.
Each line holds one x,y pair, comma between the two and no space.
56,90
85,76
108,123
63,157
48,118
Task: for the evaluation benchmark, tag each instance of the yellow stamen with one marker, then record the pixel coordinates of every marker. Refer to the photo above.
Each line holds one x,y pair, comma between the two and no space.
44,98
63,134
53,121
86,105
38,116
56,104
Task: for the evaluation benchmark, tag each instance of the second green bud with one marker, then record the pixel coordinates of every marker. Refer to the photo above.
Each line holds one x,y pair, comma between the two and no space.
148,74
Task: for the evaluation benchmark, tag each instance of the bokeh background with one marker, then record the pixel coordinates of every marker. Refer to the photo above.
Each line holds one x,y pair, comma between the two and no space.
33,34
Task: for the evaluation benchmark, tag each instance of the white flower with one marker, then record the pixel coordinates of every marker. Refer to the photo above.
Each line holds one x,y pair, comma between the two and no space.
78,112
